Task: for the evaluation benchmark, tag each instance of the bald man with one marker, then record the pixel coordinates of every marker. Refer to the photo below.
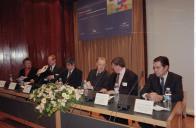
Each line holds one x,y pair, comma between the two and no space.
98,77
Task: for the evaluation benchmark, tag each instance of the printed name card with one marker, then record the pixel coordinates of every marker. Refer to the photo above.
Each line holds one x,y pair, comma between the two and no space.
101,99
144,106
12,86
27,89
2,83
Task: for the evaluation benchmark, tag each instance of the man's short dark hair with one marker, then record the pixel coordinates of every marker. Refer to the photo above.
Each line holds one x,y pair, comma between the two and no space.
70,61
52,56
163,60
118,61
26,59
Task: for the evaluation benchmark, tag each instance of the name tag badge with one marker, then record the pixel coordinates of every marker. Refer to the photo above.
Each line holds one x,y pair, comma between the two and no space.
124,84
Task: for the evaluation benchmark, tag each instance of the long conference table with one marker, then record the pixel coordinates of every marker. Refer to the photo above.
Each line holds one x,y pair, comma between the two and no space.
16,106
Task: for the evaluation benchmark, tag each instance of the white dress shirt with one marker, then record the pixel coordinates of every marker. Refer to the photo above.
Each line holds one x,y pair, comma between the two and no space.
121,75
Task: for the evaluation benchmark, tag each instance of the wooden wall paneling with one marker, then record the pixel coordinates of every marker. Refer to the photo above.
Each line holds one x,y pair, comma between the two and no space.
130,47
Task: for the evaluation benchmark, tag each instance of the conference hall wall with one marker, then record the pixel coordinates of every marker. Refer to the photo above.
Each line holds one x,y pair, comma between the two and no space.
34,28
170,32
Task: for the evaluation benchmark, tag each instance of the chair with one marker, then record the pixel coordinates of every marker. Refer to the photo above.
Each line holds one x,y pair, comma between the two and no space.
184,114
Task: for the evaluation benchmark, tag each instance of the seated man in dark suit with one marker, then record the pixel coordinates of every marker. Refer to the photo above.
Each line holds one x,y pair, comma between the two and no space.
98,78
50,72
72,75
122,80
161,79
28,73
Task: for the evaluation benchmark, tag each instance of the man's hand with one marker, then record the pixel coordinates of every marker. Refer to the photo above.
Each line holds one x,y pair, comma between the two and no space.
154,97
32,81
50,77
110,92
103,90
43,69
87,85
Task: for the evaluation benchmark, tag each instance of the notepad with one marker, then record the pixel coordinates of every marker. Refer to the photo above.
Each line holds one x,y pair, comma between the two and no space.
27,89
2,83
101,99
12,86
144,106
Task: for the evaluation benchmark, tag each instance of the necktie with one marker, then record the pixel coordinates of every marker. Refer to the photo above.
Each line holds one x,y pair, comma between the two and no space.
162,85
98,73
51,68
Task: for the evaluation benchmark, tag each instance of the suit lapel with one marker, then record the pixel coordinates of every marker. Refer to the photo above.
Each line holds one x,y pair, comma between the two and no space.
159,88
54,69
71,73
167,82
30,72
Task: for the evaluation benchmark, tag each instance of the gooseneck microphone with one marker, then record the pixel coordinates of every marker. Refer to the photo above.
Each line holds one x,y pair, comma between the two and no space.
124,104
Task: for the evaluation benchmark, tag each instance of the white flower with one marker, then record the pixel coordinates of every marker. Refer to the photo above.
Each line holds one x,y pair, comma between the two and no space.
63,104
47,90
77,94
62,88
53,103
70,91
40,108
59,100
64,95
31,96
64,100
67,97
39,94
37,107
43,100
50,94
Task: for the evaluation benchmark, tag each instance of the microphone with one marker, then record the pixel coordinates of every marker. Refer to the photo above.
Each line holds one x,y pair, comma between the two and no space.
123,104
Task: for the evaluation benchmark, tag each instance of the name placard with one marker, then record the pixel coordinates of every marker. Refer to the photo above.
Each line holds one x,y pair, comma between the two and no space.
101,99
144,106
2,83
12,86
27,89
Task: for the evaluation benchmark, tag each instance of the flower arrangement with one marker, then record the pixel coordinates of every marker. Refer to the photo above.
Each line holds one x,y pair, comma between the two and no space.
51,97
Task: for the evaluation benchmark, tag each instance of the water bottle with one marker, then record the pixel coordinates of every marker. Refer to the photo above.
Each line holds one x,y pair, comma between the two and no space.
167,97
116,90
60,82
11,78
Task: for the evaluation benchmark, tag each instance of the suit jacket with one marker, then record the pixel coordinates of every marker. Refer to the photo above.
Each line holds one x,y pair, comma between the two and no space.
56,72
98,81
75,79
31,75
173,81
130,78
